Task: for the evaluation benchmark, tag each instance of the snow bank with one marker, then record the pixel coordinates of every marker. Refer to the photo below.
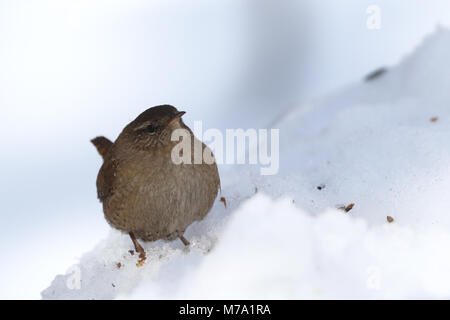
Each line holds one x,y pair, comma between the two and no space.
272,250
382,145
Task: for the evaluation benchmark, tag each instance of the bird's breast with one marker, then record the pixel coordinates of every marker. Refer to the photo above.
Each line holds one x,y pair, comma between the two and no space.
161,197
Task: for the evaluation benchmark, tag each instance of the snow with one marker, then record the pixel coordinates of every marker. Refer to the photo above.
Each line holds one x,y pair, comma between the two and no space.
374,144
71,70
293,255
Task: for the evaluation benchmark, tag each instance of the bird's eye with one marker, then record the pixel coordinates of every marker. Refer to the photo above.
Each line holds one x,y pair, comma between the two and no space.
151,128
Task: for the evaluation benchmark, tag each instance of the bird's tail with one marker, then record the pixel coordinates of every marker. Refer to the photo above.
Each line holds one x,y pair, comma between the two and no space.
102,144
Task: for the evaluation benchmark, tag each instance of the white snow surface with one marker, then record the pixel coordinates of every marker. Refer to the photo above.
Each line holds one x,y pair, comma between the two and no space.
372,144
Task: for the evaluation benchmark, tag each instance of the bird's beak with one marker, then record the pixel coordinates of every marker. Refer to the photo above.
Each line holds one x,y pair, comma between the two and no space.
176,117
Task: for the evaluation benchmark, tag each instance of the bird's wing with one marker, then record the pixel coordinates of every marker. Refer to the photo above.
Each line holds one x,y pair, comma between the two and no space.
106,179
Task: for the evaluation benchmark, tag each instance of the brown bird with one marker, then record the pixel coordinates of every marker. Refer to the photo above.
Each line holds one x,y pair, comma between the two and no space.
144,193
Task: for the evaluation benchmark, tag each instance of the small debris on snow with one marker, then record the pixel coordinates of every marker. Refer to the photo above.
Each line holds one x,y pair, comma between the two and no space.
375,74
320,187
119,265
347,208
390,219
434,119
224,201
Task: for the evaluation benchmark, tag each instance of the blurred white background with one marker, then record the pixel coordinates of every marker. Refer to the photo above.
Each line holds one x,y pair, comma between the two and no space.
71,70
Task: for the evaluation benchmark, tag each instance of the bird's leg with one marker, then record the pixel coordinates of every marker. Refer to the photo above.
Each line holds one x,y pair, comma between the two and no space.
137,246
184,240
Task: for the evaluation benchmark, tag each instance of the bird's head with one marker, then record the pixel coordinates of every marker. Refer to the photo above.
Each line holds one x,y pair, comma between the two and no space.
154,126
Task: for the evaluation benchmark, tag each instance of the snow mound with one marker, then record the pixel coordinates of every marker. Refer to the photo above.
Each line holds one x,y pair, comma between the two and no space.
381,144
271,250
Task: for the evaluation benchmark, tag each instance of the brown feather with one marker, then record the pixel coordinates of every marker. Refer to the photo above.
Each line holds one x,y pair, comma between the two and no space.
142,190
102,144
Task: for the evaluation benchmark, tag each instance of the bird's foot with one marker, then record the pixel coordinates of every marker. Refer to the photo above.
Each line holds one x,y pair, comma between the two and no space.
138,247
141,262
